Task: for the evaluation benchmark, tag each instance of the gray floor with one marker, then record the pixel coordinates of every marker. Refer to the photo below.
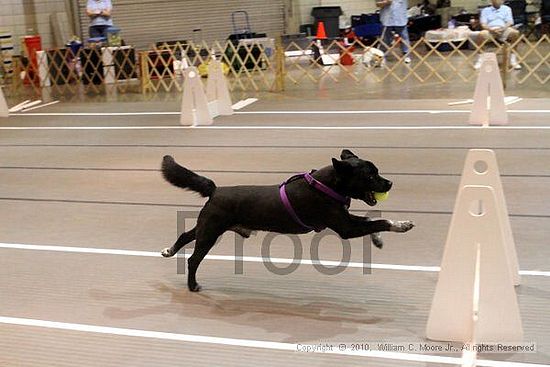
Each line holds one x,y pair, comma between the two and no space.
102,189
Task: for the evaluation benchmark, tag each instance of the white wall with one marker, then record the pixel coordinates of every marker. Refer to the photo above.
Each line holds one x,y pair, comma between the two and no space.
350,7
21,17
356,7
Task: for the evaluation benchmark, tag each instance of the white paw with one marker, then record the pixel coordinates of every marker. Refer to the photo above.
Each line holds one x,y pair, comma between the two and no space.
376,239
167,252
402,226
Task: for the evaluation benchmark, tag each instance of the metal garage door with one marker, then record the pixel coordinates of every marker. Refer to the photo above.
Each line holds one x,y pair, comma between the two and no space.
144,22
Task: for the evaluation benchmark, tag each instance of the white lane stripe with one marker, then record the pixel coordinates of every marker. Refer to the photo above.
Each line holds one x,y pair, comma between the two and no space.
82,250
331,112
261,344
273,127
94,127
146,113
291,127
274,260
535,273
372,112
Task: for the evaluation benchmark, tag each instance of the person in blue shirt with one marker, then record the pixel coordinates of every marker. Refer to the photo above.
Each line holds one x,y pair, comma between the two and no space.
393,15
497,23
99,12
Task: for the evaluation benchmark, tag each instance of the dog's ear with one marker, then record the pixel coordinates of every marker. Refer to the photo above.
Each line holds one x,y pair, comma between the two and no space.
341,167
346,153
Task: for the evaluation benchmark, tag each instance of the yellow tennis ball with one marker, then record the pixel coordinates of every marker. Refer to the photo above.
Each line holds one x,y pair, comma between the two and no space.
381,196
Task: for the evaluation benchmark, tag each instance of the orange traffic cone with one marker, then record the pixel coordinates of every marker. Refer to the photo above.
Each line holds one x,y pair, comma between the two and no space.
321,33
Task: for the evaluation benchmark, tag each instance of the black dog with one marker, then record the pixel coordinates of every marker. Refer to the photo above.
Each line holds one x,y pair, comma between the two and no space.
312,203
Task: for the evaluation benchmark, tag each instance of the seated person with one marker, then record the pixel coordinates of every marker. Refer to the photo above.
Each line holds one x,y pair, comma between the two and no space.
497,22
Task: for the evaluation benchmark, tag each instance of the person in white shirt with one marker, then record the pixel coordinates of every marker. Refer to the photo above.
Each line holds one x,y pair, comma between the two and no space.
497,22
99,12
393,16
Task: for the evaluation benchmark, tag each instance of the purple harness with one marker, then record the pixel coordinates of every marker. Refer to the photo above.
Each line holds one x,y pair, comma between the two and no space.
316,185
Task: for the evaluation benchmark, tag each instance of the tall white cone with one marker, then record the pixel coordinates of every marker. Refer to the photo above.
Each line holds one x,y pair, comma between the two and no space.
475,239
217,90
194,104
489,107
481,168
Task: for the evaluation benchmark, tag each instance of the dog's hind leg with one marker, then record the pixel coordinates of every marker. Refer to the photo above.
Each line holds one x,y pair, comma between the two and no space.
206,239
183,240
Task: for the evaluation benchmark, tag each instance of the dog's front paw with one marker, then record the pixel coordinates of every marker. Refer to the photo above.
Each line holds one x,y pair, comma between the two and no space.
402,226
167,252
376,239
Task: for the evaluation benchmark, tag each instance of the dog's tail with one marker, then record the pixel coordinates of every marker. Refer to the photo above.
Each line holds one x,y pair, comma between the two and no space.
186,179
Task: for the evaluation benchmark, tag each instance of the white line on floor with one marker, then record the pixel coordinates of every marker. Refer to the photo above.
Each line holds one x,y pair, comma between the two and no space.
95,127
273,127
145,113
331,112
371,112
248,343
274,260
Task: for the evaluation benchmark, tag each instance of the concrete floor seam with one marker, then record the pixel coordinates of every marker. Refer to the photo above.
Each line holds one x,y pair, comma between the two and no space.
269,147
427,174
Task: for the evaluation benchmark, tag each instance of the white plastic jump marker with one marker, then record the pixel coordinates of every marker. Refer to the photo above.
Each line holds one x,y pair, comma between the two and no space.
511,100
489,85
26,109
32,104
243,103
19,107
481,168
4,112
451,314
216,89
194,104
